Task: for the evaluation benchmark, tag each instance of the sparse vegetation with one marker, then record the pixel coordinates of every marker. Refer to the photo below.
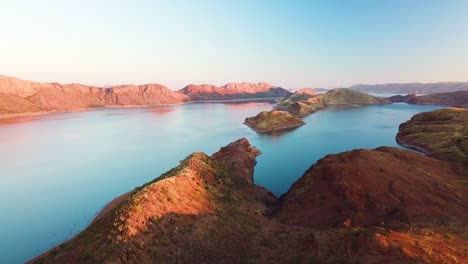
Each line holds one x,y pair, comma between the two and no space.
273,121
443,134
303,105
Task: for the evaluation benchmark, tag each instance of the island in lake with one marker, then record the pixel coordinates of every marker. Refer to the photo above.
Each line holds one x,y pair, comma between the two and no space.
269,121
305,102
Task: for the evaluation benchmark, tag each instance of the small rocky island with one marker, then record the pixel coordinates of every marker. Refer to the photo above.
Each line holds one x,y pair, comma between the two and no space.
442,134
269,121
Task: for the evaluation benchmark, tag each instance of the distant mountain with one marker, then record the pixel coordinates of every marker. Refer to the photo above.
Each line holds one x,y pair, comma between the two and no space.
409,88
321,90
20,96
231,91
455,99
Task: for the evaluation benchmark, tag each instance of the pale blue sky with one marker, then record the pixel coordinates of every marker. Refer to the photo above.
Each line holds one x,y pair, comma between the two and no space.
289,43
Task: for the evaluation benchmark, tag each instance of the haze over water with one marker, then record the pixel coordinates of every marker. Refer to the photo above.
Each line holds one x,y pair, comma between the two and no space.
58,171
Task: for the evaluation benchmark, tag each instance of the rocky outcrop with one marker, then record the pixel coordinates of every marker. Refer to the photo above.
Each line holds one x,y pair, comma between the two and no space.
302,104
369,206
454,99
266,122
443,134
233,91
386,187
409,88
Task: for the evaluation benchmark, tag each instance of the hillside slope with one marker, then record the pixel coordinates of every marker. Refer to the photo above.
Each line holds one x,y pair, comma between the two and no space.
368,206
443,134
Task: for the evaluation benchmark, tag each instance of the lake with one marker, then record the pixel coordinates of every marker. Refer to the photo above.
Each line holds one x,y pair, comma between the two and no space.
58,171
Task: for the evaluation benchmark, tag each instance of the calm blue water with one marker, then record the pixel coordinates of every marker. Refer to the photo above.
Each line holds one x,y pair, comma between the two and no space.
58,171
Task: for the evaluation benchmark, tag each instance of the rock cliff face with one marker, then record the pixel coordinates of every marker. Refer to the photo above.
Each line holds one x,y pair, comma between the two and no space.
369,206
454,99
442,134
271,121
303,104
233,91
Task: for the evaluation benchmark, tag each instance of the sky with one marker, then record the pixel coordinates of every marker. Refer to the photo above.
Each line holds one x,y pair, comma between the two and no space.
293,44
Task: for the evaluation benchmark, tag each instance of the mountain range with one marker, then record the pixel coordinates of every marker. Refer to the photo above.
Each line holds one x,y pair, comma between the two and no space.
21,96
410,88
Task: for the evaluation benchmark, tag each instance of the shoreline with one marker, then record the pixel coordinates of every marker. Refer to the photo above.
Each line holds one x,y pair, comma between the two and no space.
274,130
77,110
263,99
417,149
108,207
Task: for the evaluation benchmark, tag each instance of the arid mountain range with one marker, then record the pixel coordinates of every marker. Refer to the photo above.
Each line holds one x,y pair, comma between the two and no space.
23,97
20,96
